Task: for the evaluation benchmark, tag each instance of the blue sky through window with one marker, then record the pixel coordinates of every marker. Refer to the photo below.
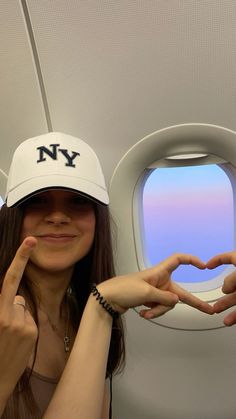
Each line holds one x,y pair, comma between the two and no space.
190,210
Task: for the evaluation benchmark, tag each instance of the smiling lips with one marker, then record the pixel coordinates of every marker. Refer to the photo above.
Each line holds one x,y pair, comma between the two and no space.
56,238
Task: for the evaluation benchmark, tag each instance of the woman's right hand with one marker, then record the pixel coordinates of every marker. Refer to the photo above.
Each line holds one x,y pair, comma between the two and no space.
18,331
153,288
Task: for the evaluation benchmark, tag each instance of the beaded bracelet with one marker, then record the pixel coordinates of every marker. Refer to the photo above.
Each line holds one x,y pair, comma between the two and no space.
114,314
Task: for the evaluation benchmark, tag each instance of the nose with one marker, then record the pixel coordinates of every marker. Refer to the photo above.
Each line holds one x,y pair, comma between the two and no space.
57,217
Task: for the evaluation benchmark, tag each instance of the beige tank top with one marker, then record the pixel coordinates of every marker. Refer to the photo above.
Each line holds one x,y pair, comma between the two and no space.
43,389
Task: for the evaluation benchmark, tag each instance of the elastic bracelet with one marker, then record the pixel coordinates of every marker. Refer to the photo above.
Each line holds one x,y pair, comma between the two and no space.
114,314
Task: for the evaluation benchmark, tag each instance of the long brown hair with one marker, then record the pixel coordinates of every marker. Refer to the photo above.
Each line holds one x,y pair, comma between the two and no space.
95,267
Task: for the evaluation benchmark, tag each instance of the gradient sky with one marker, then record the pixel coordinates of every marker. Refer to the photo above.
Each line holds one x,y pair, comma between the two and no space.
190,210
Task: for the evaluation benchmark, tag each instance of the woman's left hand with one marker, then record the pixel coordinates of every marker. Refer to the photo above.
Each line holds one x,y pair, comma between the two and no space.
153,288
228,288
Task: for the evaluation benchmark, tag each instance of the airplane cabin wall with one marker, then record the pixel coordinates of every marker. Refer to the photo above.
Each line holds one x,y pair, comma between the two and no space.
112,72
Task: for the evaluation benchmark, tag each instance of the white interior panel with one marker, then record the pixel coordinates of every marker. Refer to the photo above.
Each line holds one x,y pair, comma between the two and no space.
21,114
115,71
176,374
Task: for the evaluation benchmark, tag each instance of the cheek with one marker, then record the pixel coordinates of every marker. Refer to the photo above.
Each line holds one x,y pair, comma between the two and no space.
88,224
91,224
27,227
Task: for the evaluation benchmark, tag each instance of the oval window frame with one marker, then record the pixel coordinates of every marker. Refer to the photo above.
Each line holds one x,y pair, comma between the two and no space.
176,140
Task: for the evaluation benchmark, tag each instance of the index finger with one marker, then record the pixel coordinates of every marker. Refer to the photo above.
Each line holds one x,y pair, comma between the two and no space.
190,299
225,302
16,269
222,259
174,261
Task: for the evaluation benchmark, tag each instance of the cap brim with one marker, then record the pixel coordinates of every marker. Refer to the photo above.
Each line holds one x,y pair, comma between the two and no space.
36,185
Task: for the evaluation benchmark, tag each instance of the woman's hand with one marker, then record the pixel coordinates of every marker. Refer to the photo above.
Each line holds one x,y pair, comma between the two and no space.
18,331
229,286
153,288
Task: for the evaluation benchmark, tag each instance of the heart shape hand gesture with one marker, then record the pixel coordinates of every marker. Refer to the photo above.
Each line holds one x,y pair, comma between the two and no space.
155,289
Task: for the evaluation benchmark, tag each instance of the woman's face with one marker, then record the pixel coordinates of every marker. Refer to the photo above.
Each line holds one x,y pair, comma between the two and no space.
63,223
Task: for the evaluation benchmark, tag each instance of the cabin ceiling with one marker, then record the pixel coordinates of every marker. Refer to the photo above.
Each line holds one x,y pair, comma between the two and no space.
114,71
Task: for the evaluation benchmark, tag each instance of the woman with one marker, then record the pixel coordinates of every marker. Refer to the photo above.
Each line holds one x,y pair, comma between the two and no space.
61,336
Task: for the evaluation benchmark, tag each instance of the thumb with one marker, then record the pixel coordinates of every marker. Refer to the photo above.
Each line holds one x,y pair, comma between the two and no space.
156,311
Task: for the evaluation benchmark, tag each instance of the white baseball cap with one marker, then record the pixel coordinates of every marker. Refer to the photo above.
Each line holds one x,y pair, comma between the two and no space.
55,160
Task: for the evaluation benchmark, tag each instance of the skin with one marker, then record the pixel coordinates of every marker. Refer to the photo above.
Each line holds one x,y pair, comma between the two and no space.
18,331
63,224
58,230
153,288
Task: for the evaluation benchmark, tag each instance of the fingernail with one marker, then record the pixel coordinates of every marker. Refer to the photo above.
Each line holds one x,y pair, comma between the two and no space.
30,242
149,315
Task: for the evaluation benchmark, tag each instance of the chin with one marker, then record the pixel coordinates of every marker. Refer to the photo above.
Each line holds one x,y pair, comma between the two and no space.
57,261
53,265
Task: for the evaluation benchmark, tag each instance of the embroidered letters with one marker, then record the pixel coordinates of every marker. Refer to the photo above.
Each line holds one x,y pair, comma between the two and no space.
55,153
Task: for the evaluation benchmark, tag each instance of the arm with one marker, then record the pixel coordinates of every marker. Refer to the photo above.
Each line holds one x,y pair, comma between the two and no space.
80,392
106,400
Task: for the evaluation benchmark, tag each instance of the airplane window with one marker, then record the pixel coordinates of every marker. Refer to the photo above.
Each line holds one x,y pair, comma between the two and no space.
1,201
190,210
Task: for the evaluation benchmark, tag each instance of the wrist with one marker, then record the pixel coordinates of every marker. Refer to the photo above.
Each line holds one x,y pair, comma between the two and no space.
110,290
105,304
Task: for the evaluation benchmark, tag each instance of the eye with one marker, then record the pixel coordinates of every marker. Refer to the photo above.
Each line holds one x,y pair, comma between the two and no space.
35,201
80,201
